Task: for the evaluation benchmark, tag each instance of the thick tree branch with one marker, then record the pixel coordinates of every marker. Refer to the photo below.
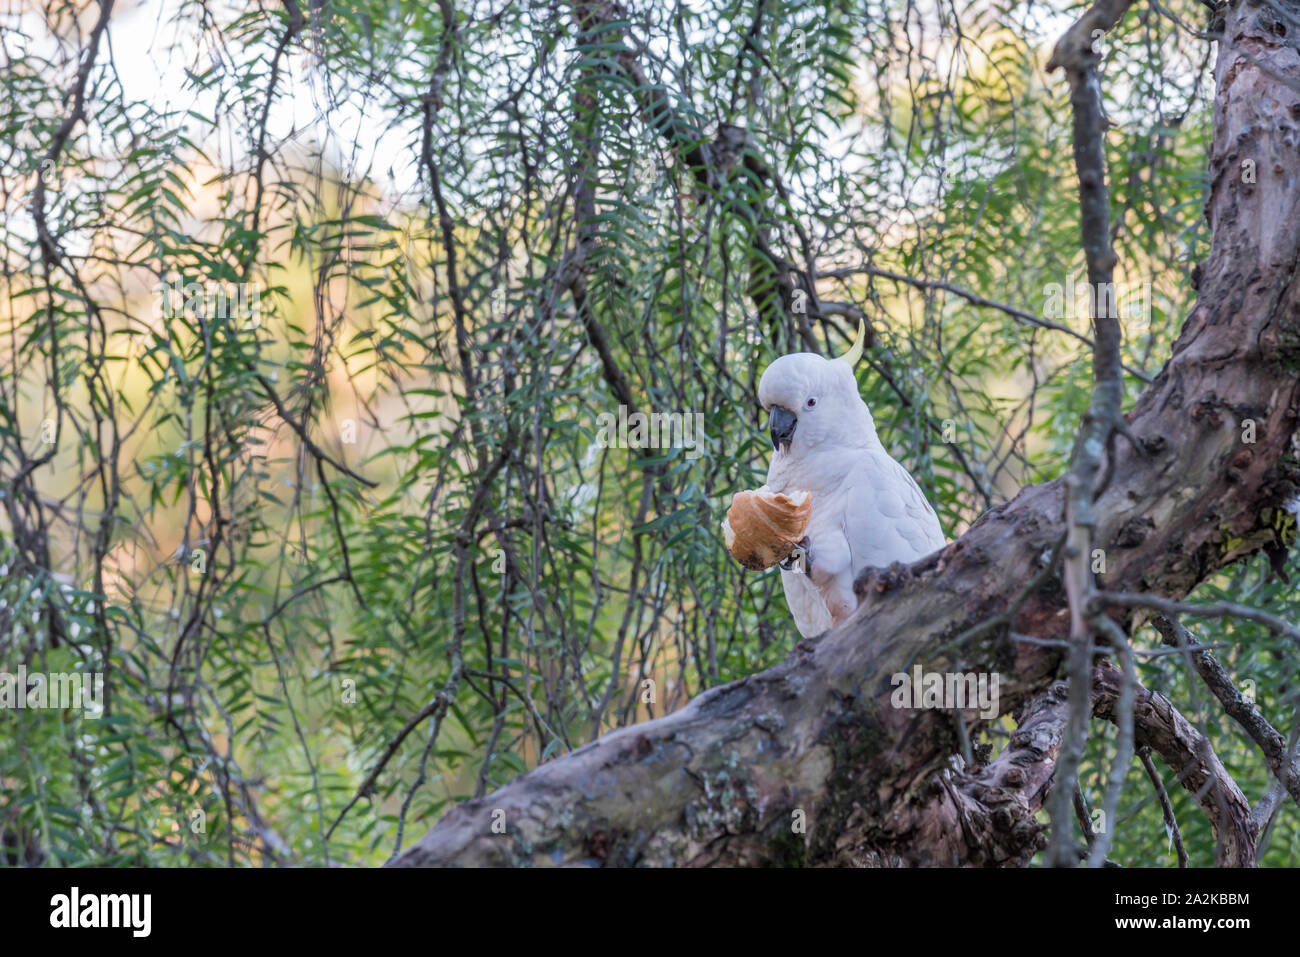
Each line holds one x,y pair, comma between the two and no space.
1237,706
1158,725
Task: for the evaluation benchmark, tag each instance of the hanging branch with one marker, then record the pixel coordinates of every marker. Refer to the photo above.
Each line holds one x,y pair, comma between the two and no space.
1080,60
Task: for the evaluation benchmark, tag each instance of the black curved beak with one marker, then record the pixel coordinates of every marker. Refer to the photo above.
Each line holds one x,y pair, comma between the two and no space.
781,426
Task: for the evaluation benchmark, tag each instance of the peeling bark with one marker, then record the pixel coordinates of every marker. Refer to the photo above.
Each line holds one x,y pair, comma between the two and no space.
1158,725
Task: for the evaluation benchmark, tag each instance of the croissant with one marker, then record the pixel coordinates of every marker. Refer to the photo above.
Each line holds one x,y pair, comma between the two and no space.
762,528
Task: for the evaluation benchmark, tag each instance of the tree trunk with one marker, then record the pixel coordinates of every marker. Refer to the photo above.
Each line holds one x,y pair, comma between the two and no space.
810,763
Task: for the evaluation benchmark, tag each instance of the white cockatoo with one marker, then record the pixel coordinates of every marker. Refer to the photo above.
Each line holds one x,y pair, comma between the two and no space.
867,511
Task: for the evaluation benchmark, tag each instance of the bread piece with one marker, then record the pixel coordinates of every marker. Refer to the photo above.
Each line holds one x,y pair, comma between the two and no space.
762,527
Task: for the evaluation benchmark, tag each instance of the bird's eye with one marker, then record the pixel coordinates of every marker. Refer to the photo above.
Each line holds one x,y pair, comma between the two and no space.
811,403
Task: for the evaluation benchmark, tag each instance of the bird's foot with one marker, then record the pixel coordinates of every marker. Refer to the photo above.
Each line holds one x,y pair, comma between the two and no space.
799,560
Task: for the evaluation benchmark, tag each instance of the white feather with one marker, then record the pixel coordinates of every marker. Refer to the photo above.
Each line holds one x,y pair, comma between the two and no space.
867,511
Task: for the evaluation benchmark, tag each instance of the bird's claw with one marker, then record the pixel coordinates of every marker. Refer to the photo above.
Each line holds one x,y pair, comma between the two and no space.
799,560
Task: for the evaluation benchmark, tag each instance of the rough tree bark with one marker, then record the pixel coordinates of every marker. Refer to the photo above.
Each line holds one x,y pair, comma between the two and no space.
726,779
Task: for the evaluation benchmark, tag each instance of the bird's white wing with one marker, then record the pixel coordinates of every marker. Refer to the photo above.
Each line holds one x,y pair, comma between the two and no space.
886,516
